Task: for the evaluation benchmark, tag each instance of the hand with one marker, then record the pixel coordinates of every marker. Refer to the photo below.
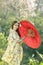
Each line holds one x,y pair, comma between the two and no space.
20,41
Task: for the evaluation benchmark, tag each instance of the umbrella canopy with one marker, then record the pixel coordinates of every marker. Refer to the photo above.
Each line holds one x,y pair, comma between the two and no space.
32,39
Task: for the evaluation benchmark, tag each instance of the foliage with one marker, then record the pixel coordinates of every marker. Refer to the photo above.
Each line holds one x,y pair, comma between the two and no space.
9,11
2,44
41,63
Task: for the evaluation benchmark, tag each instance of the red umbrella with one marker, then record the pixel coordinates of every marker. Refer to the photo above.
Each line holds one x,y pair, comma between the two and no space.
33,40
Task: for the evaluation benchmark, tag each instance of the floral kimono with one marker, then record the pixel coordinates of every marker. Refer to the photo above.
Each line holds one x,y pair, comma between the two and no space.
14,52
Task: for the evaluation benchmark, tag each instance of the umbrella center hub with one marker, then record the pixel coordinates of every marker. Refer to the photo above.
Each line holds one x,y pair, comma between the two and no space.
31,33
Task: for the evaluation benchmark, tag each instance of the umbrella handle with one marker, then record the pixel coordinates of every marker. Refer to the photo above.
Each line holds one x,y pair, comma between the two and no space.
21,40
26,36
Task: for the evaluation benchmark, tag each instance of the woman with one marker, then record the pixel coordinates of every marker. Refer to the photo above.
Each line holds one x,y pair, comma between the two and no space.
14,51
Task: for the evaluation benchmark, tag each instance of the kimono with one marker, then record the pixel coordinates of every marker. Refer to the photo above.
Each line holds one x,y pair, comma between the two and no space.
14,52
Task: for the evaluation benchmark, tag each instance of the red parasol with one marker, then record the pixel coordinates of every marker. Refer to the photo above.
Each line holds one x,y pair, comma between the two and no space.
31,41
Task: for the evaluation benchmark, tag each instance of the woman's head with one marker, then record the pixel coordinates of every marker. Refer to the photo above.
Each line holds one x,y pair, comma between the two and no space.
15,25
